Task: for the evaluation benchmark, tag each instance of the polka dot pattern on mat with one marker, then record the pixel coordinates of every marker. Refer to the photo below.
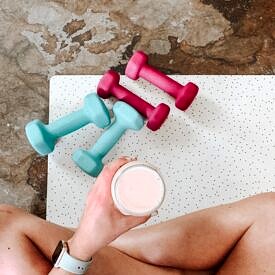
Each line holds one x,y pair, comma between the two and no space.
220,150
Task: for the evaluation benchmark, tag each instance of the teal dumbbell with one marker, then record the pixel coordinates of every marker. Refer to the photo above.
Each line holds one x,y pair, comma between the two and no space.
126,117
43,137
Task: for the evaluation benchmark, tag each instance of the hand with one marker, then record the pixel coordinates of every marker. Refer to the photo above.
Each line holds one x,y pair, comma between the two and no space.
101,222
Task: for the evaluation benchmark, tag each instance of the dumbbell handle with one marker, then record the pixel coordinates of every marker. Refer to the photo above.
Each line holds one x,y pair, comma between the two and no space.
160,80
107,140
135,101
68,123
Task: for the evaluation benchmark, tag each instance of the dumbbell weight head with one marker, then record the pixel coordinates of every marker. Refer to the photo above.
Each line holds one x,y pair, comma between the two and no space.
186,96
43,137
96,110
106,83
135,64
126,117
158,116
88,162
39,138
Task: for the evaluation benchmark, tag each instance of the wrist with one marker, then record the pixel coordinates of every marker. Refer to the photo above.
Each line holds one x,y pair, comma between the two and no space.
81,251
78,251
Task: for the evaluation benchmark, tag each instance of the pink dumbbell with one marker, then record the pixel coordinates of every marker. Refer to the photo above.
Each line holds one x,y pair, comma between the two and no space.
138,67
109,86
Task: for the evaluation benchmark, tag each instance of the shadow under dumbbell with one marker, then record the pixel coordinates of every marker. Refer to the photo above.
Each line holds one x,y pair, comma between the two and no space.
175,133
205,112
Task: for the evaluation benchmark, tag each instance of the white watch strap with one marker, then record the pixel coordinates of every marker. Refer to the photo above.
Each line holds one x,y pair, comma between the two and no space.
72,264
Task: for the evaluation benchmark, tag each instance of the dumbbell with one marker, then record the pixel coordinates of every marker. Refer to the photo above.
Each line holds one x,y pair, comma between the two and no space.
126,117
43,137
109,86
138,67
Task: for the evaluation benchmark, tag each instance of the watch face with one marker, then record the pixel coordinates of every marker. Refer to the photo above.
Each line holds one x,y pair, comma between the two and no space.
57,252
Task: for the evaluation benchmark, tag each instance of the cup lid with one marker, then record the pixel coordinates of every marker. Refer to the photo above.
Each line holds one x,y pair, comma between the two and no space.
133,167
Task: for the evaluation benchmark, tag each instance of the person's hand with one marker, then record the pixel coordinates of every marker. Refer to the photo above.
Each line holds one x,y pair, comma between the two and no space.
101,222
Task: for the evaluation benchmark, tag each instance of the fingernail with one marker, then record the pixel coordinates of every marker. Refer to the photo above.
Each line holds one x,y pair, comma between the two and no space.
155,213
130,158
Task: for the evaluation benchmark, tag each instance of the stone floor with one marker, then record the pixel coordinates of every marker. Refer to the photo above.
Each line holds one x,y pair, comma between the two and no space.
39,39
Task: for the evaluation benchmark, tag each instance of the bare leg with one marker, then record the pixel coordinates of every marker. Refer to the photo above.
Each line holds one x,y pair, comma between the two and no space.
239,236
18,254
254,253
27,243
204,239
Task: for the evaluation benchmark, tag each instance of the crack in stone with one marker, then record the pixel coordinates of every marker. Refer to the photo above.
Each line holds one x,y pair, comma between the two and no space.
50,44
245,50
37,179
37,175
74,26
82,38
232,10
126,55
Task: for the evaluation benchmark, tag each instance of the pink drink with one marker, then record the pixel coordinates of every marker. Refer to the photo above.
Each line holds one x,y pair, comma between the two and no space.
137,189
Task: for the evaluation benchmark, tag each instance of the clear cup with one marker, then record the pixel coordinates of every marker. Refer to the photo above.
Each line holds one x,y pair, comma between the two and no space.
138,189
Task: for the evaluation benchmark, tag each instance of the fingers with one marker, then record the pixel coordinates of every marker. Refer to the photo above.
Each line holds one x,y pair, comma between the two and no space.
115,165
155,213
134,221
110,169
144,219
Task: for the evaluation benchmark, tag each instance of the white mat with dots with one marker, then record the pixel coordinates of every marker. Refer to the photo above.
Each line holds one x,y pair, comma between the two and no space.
220,150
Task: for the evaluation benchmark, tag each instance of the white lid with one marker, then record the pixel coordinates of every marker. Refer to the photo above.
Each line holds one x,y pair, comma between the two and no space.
115,184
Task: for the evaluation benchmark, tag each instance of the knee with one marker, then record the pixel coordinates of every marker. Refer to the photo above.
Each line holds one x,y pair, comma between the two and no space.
269,196
260,238
266,202
10,209
264,225
9,215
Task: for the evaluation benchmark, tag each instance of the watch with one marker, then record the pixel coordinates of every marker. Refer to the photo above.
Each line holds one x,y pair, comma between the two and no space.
61,258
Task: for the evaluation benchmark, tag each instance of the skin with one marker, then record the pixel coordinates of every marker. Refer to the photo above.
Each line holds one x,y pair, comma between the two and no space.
237,238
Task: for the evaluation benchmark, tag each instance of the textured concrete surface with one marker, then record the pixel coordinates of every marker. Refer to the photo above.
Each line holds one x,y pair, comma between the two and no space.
39,39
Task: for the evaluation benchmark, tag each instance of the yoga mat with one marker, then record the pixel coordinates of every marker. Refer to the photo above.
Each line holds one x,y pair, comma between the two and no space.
220,150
